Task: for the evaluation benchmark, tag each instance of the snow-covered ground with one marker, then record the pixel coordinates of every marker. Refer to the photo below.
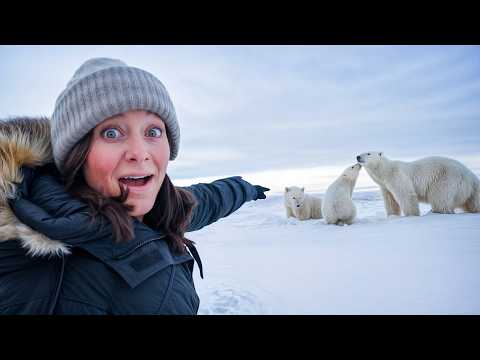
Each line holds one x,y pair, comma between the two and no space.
258,262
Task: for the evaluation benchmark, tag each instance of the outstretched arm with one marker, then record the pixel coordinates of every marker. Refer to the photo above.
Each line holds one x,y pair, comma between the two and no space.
221,198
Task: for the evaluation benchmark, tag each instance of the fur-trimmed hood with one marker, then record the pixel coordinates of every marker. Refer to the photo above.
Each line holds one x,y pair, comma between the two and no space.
24,141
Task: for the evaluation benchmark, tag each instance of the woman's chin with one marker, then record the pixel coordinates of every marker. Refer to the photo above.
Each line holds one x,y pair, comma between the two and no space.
140,210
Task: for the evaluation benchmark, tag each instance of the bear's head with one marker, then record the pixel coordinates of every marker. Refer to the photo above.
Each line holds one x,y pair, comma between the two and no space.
370,159
351,173
294,196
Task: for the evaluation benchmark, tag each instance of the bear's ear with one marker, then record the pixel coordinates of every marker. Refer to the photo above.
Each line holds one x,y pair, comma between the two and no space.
380,153
287,189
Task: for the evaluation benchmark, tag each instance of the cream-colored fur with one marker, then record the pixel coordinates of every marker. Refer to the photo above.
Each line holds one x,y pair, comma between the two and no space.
23,141
338,207
444,183
300,205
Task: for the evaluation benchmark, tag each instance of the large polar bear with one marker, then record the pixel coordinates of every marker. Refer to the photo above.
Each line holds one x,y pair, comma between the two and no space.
301,205
338,207
443,183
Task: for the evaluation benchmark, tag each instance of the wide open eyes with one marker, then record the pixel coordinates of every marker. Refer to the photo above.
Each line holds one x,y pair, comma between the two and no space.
114,133
155,132
111,133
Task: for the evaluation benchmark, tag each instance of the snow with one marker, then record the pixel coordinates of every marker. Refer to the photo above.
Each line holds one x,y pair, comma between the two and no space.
258,262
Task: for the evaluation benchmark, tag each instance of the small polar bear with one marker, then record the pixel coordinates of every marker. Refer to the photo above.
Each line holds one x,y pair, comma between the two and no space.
338,207
300,205
443,183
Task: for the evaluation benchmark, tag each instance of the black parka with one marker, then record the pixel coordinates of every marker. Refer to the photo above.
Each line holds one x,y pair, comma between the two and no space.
141,276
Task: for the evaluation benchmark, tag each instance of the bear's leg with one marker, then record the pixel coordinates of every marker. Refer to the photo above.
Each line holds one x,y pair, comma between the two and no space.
405,195
442,199
391,206
339,223
409,205
329,219
302,213
351,216
473,203
307,211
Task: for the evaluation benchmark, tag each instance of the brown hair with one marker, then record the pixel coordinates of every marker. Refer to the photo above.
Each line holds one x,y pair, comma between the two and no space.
170,213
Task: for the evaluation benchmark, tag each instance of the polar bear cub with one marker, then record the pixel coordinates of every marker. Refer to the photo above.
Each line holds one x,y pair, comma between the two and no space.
443,183
300,205
338,207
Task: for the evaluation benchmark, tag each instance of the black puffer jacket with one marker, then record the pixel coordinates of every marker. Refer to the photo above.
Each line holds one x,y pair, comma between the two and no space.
53,260
100,277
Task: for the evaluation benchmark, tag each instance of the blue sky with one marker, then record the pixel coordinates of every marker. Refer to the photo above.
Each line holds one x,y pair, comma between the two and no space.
250,109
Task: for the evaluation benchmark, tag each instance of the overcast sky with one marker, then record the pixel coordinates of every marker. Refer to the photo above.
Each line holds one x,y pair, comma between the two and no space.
246,109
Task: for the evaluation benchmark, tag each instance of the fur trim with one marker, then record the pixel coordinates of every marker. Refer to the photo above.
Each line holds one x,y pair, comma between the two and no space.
23,141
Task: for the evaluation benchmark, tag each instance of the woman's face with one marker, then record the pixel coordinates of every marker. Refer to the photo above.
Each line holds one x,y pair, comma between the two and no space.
132,149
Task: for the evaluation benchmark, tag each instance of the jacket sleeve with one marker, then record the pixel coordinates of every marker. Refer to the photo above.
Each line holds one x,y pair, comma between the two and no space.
218,199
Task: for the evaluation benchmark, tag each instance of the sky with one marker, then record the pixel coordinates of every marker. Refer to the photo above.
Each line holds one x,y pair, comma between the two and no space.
284,115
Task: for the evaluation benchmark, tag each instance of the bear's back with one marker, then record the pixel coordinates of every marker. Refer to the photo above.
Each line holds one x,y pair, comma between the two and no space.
440,166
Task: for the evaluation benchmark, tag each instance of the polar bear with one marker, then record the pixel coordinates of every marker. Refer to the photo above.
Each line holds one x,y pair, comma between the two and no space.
338,207
443,183
300,205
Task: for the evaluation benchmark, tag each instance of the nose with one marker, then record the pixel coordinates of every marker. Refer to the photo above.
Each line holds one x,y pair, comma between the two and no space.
137,150
358,158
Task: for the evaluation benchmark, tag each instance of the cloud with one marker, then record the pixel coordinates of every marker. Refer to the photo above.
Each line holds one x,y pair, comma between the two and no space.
248,109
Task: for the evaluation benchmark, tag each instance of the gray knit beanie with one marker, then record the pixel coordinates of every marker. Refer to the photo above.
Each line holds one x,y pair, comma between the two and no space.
102,88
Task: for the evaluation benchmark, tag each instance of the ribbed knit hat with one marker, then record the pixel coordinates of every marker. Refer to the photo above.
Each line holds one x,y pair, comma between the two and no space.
102,88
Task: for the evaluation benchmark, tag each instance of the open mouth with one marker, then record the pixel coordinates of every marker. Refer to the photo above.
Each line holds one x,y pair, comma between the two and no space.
135,180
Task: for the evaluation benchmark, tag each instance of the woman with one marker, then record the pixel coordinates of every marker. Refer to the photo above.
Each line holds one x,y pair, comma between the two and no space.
101,231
